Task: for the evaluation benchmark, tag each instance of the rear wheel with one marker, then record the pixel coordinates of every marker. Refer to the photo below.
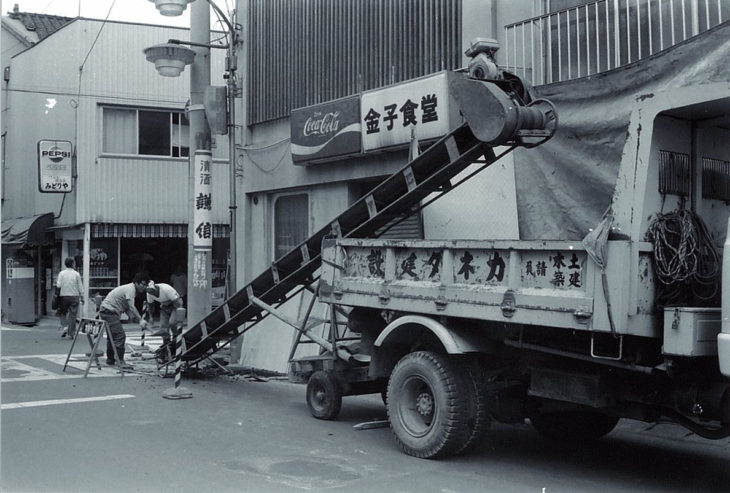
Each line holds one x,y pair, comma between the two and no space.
427,407
324,396
478,419
573,426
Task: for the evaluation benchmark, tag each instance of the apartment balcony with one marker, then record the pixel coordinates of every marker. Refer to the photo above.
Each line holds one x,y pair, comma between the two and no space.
603,35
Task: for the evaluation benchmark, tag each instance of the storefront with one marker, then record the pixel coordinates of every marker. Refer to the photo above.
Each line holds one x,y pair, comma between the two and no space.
116,252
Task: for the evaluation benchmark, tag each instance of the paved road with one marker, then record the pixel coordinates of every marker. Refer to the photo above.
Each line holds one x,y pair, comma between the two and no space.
107,433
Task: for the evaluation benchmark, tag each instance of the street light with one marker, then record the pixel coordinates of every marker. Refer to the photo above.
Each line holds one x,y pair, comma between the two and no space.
170,62
171,8
169,59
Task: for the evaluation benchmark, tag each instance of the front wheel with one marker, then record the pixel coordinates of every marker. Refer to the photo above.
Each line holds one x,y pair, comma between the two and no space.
573,426
426,405
324,396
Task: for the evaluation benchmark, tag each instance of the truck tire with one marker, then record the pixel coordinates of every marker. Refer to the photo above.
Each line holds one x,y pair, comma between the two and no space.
573,426
427,406
478,418
324,396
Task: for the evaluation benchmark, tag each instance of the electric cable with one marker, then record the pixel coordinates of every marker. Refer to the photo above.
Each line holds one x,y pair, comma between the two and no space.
686,261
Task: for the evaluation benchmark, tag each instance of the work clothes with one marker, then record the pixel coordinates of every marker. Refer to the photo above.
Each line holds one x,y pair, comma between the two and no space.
118,301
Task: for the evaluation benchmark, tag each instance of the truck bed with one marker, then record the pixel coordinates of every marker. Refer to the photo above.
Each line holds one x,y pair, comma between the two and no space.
548,283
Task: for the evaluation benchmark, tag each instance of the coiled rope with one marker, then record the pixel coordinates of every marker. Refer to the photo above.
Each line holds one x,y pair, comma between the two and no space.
686,262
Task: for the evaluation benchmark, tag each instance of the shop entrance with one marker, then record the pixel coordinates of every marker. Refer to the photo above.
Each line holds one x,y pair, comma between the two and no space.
157,257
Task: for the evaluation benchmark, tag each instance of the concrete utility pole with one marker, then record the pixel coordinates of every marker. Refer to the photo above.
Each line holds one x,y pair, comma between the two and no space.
199,257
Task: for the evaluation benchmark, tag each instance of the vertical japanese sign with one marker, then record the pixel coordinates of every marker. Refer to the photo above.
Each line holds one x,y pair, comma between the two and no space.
55,166
203,207
200,268
389,115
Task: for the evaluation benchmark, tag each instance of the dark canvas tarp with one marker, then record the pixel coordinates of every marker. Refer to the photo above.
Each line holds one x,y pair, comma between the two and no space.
565,186
30,230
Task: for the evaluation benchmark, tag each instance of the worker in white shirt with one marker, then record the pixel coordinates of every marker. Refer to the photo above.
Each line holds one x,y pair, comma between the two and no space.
168,299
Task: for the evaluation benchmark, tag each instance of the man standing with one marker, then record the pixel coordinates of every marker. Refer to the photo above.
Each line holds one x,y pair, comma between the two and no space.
70,294
169,300
121,300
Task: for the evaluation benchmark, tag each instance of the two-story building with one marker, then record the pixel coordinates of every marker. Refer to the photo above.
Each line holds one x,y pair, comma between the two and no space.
96,149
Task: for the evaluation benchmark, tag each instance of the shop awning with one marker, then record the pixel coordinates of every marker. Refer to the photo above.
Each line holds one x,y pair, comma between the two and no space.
125,230
29,230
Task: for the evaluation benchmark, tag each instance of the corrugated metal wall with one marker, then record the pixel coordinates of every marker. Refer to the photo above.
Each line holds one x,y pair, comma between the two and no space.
303,52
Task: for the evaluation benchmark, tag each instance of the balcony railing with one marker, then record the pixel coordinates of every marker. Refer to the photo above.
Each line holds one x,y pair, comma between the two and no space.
603,35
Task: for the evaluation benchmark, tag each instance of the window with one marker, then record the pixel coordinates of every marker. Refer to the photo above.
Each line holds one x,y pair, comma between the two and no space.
180,135
291,222
145,132
154,133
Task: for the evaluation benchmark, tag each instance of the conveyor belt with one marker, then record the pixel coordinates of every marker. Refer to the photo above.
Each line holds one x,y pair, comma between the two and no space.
398,196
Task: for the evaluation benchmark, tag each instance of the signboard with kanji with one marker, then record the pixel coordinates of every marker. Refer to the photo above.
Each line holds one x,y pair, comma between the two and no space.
392,114
203,207
326,130
55,166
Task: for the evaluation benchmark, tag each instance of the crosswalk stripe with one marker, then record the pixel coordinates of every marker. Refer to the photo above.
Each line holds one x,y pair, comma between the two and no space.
53,402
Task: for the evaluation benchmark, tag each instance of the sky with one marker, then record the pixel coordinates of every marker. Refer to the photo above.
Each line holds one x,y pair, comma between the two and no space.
123,10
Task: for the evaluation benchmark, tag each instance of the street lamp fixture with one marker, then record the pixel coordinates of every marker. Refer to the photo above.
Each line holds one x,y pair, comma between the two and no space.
169,59
171,8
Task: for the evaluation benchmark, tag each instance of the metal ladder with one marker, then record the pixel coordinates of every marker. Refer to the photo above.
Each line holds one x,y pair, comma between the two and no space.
396,198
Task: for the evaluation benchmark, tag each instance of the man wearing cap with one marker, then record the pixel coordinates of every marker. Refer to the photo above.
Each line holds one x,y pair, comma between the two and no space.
169,300
121,300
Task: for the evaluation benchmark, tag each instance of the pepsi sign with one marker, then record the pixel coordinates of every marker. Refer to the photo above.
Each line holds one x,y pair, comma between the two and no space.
55,166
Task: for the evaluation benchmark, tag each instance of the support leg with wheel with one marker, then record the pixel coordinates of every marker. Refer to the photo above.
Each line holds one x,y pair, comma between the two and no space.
324,395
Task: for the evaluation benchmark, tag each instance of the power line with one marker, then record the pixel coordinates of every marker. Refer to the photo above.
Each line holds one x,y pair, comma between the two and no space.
94,95
46,7
97,37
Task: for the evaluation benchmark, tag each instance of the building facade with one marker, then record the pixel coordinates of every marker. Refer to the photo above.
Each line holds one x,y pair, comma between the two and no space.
97,139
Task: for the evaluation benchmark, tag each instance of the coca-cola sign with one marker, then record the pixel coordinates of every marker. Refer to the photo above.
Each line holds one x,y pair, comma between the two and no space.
326,131
322,124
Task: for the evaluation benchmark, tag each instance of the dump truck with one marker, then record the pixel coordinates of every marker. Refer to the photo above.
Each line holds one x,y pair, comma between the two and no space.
572,334
627,322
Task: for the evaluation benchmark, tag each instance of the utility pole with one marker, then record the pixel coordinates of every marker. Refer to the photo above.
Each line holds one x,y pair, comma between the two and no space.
231,63
199,255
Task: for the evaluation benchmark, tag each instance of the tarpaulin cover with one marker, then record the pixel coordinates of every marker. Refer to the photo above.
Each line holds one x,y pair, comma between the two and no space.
565,186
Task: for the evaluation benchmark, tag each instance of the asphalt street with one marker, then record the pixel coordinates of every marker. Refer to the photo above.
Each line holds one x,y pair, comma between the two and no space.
61,432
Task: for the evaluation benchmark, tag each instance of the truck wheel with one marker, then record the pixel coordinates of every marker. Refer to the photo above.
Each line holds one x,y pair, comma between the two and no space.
478,418
426,405
573,426
324,396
